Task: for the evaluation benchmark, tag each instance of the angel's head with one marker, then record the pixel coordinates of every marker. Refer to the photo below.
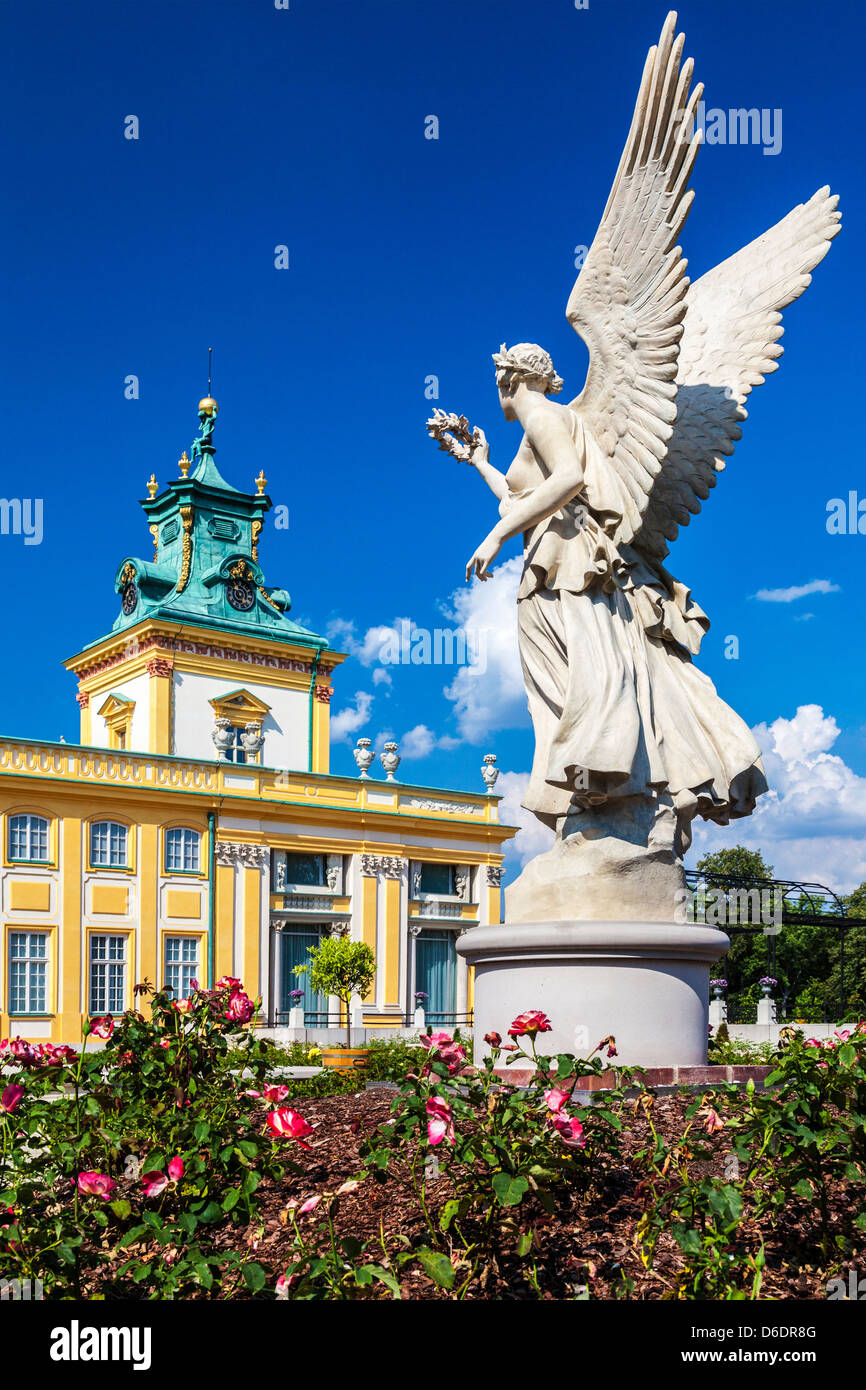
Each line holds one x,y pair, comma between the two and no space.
525,364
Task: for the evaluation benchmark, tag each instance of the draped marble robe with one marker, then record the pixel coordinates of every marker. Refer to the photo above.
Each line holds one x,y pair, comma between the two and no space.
606,641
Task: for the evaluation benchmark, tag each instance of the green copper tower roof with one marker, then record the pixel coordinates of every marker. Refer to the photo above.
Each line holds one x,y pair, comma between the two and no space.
205,570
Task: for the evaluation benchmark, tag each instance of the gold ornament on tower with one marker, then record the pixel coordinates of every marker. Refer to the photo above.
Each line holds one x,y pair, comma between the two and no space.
152,486
183,464
207,406
261,481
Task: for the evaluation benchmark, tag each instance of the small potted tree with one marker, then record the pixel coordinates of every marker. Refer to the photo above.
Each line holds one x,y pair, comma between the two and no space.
344,968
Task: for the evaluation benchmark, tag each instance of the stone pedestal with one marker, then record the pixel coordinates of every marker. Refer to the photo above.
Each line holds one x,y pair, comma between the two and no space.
645,982
766,1011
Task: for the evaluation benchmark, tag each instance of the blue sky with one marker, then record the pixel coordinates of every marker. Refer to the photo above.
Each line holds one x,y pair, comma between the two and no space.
409,258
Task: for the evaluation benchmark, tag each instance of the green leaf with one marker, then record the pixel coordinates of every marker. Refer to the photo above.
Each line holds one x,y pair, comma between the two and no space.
510,1189
448,1213
231,1199
804,1189
860,1221
212,1212
524,1244
254,1277
438,1267
121,1208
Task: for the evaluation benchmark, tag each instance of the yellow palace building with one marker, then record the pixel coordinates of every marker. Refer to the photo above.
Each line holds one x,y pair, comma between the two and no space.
196,831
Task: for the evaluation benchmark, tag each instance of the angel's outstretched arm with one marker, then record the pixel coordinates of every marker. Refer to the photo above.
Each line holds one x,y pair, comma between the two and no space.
480,460
552,441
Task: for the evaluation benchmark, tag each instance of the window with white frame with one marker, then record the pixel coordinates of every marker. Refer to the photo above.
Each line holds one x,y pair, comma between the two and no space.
182,850
28,839
181,964
28,972
439,879
107,974
109,844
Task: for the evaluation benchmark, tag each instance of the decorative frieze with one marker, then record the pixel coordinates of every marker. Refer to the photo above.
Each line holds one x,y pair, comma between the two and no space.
457,808
159,666
494,875
388,864
229,853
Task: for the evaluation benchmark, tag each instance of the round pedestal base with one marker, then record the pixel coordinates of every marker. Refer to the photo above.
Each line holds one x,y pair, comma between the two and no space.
646,983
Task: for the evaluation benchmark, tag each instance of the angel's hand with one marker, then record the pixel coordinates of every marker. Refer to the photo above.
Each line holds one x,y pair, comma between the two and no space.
483,557
480,451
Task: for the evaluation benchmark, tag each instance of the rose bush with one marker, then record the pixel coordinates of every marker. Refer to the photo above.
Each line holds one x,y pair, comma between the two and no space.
121,1168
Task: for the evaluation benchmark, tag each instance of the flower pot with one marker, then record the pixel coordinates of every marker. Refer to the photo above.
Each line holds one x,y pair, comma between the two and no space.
345,1058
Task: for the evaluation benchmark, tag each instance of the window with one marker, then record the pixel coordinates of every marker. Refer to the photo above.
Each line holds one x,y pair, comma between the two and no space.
107,974
108,844
438,878
28,839
181,964
28,972
307,870
182,851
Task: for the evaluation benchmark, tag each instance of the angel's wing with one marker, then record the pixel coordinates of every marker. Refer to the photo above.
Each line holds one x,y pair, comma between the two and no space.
729,344
629,300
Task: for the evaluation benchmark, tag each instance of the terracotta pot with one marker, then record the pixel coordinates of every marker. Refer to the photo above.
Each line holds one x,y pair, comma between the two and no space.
345,1058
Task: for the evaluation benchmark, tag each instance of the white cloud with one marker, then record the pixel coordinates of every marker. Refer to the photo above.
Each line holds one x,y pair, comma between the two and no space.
420,742
811,824
348,721
532,838
815,586
488,694
376,643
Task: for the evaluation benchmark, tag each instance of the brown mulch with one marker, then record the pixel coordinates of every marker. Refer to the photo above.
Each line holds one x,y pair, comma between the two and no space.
589,1242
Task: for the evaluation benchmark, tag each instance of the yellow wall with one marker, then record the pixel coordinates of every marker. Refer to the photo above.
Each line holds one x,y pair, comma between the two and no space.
70,900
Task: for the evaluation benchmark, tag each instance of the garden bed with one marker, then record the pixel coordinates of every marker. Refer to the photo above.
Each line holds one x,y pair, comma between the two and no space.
583,1250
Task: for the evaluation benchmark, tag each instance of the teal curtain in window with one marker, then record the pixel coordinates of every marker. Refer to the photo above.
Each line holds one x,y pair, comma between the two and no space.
436,974
293,951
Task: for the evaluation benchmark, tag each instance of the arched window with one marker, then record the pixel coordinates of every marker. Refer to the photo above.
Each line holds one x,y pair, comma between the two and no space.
28,839
109,844
182,850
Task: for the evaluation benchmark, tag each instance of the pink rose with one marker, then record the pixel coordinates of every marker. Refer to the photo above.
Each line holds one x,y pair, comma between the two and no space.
274,1094
440,1123
288,1124
569,1130
714,1120
96,1184
240,1007
154,1183
556,1099
102,1027
175,1168
310,1205
493,1039
11,1098
528,1024
228,982
183,1006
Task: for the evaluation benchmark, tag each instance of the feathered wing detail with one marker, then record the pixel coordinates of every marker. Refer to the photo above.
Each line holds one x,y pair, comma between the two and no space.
730,343
629,300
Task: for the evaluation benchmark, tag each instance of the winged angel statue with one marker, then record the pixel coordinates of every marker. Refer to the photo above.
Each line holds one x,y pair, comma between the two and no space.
631,739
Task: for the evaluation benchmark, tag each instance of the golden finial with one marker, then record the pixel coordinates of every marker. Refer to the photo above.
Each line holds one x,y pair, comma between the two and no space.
261,481
183,464
152,486
207,406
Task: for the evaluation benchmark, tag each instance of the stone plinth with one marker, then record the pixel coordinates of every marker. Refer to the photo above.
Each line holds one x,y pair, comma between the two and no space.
647,983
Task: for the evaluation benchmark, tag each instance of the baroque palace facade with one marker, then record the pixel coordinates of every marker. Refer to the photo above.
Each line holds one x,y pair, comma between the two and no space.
196,831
